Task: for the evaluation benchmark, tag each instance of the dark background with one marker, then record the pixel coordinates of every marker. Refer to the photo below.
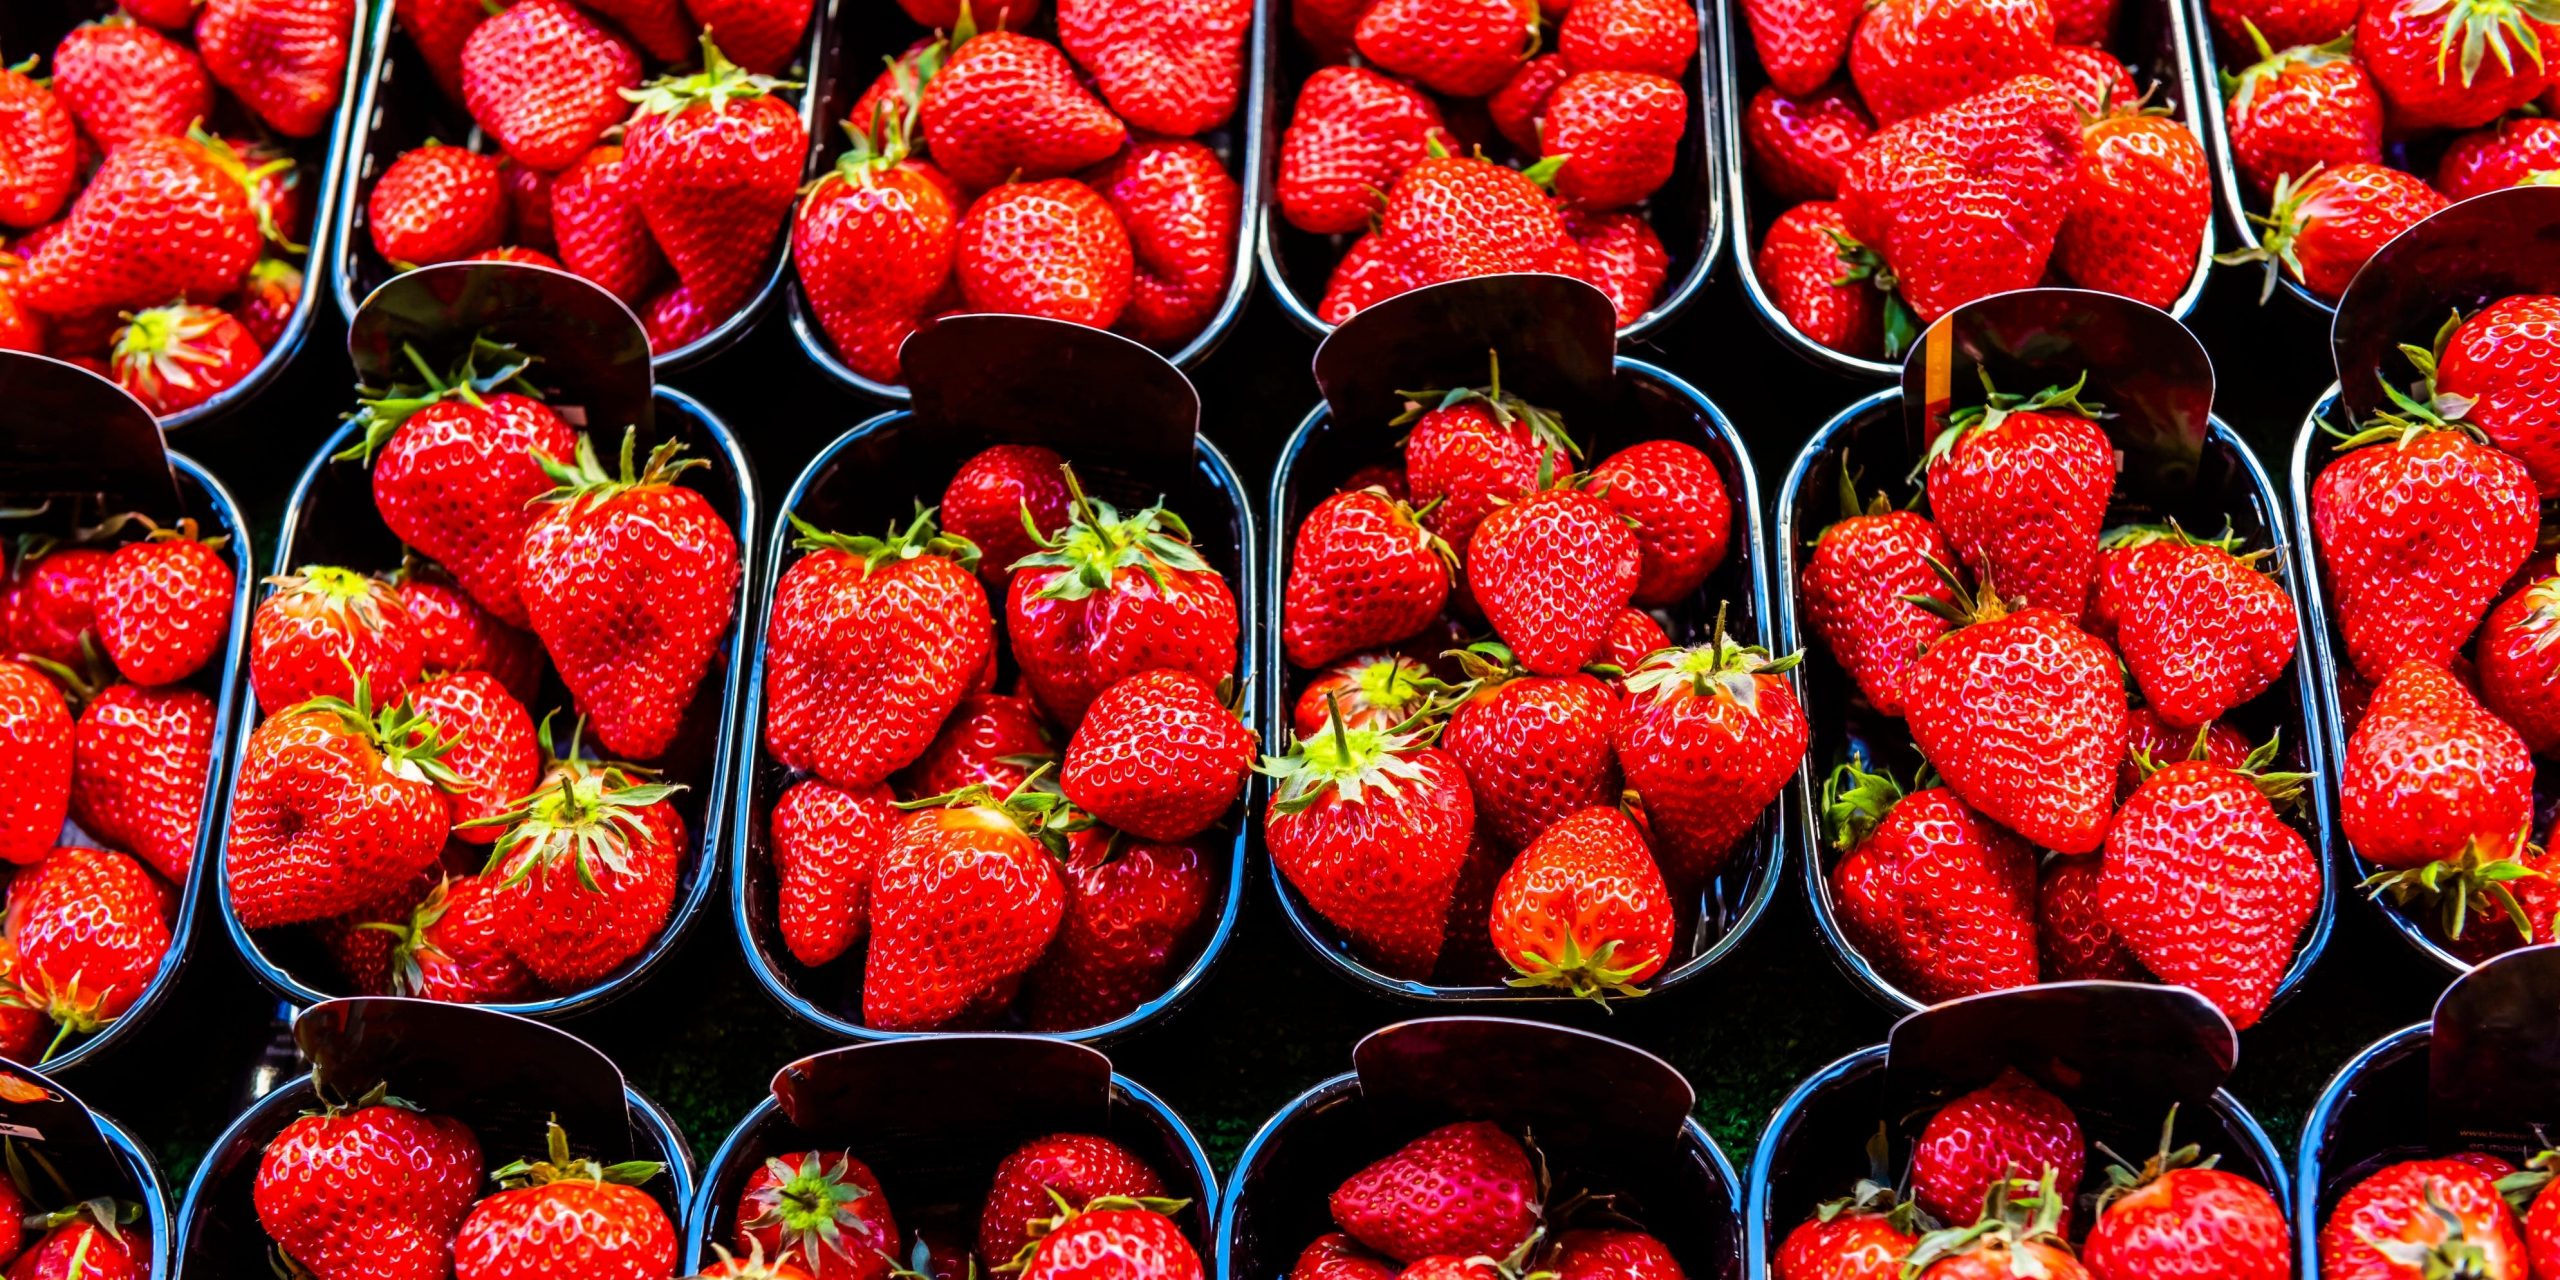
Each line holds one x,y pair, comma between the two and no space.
703,1038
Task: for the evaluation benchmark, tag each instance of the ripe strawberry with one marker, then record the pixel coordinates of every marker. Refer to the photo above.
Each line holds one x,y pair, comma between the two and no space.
455,634
1967,200
2418,539
1617,134
826,841
39,152
2291,113
1584,909
586,869
630,582
2020,486
1812,269
2139,220
126,83
1550,571
1180,208
2147,735
994,739
53,600
1674,498
90,927
2202,630
1463,48
2098,84
1622,257
438,29
1535,748
1456,217
140,760
567,1215
1464,1189
1335,1256
2326,222
1711,734
764,36
1477,448
2492,372
1911,57
729,1266
2176,1214
528,207
372,1192
1077,1167
267,300
963,900
452,947
1657,37
86,1248
1363,573
2420,1215
2073,942
285,61
1371,271
1633,636
986,499
24,1030
1371,828
1052,248
1131,906
595,215
546,80
719,158
21,329
873,243
334,806
871,643
2009,1128
1114,1238
2409,46
1516,106
1800,147
1157,756
1169,67
1009,106
2207,885
163,217
659,27
822,1206
2519,671
1846,1243
437,204
1857,588
2431,777
163,604
1370,690
1609,1254
1351,135
1801,42
1110,597
2019,1233
2282,23
316,625
2511,153
175,358
1933,893
488,744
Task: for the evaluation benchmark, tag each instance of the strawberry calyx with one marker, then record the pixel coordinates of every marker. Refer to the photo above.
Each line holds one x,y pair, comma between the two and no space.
560,1166
2483,28
1590,977
2408,420
1997,406
1099,542
2126,536
1068,1211
410,940
920,538
586,484
719,83
169,341
2007,1219
109,1214
756,1267
2284,790
382,413
1393,682
2242,89
584,815
2123,1175
252,179
1721,668
1348,762
2542,618
1862,265
1507,409
810,1205
1852,506
95,673
1875,1196
2520,1188
2447,405
1856,800
2456,1256
1034,808
2280,229
2473,881
409,742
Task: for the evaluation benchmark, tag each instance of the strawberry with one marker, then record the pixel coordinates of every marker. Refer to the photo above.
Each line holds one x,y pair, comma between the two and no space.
1711,734
126,83
2009,1128
2202,630
53,600
873,242
1846,1243
546,80
1633,636
1622,257
823,1206
453,947
1550,571
1810,266
24,1029
267,300
1335,1256
1169,67
1110,597
586,869
595,215
2207,886
528,206
1116,1239
1516,106
719,158
2019,1233
1463,48
1009,106
375,1191
2139,220
2409,46
1674,498
1370,690
987,499
1477,448
1076,1167
454,634
1180,208
2073,942
1911,57
162,217
1584,909
175,358
2098,84
2020,486
565,1214
87,1248
2420,1215
1132,905
1371,828
630,582
437,204
39,152
1966,201
1617,134
1587,1253
1799,148
728,1266
1535,748
1933,893
764,36
488,744
1352,133
825,842
2177,1213
2293,112
363,942
168,15
2282,23
286,61
2492,371
659,27
871,643
963,901
163,604
2511,153
1466,1189
1450,1266
2435,788
1052,248
2147,735
316,625
1456,217
1657,37
1158,756
1362,573
995,739
2418,539
1857,588
21,329
335,804
1371,271
2326,222
90,927
1801,42
438,29
140,761
2519,673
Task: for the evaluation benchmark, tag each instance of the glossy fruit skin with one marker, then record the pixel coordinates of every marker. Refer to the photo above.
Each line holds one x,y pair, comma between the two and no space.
2073,941
1371,271
2404,43
1967,200
718,182
1801,43
285,61
1372,690
1799,263
1622,257
2137,226
2099,85
1456,217
1536,749
82,1251
320,825
2392,1205
458,481
2517,666
2418,539
1181,209
1613,1254
545,79
1854,584
599,1229
53,600
2025,718
2342,216
1707,741
1351,135
1158,756
1911,57
2009,1124
1587,882
1800,147
2191,1222
1381,868
2502,360
457,948
1464,1189
825,842
126,83
1517,106
984,500
140,760
1942,898
39,153
91,928
1169,67
586,883
961,903
1132,908
1335,1256
375,1194
2429,771
1549,572
2023,499
1850,1246
1115,1244
453,633
761,35
1070,650
596,217
1675,498
822,1207
493,746
2200,631
2146,734
1465,458
163,607
1363,573
316,625
1052,249
2285,23
177,357
2208,886
1082,1167
161,218
1008,104
1618,132
437,204
2300,110
987,740
2509,153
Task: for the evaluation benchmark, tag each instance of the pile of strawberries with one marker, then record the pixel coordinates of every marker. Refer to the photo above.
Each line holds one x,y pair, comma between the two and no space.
2065,834
1066,1206
670,195
1047,851
1993,1188
1392,146
1454,808
2349,101
1976,146
398,799
97,1238
105,719
2428,526
149,195
1469,1201
991,171
2469,1214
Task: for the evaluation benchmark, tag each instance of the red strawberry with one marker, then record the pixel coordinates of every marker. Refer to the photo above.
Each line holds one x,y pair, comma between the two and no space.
1550,571
455,634
1052,248
1170,67
1801,42
585,872
286,61
1363,573
2410,46
2020,485
719,159
1617,134
1456,217
823,1206
1464,48
457,471
39,153
565,1214
163,606
1711,734
546,80
1857,588
1622,257
452,947
2009,1128
1132,906
2175,1214
2282,23
994,739
1158,756
1464,1189
488,744
2202,630
1351,135
163,217
1111,1239
1335,1256
1477,448
1522,99
1180,208
439,29
1370,690
140,761
373,1192
1800,147
90,927
2326,222
1966,201
1634,636
2295,112
53,600
595,215
175,358
825,843
1674,498
630,581
1535,748
1911,57
1587,1253
2431,777
1933,893
334,806
2073,942
1658,37
1371,828
1009,106
1584,909
2138,222
2418,1215
2207,886
1824,282
764,36
317,624
2147,735
125,83
873,243
2511,153
2519,670
2097,82
2019,1232
1077,1167
2493,371
88,1248
1110,597
963,901
1850,1245
437,204
986,499
1371,271
24,1030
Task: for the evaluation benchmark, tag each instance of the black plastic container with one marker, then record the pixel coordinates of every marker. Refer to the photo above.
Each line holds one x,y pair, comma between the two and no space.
1129,421
862,37
73,1154
2156,38
35,26
502,1075
79,441
1553,337
1298,264
590,350
2121,1054
933,1116
1608,1117
2177,462
401,107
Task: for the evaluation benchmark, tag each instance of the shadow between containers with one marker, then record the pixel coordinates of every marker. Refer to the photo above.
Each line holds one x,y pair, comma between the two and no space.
2165,29
331,519
393,117
2244,492
1660,405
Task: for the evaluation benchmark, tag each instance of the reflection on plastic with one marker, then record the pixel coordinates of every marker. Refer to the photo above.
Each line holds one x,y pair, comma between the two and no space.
1027,380
67,433
590,347
1553,333
1528,1074
2460,257
451,1058
2493,1060
2159,1044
